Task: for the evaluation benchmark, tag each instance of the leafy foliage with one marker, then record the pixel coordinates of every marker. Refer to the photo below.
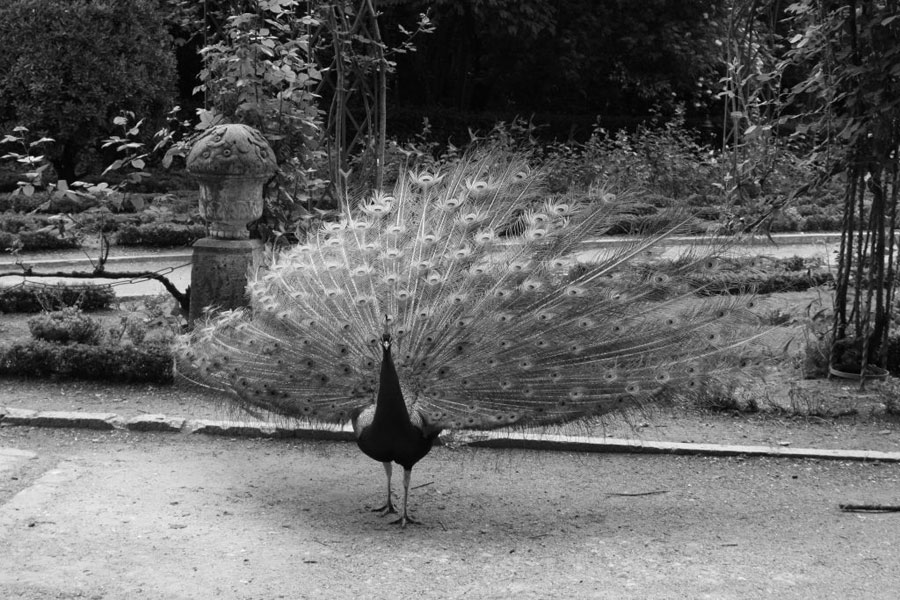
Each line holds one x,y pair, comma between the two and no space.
312,77
151,362
571,57
31,298
25,155
260,74
847,112
258,70
68,343
67,67
43,239
659,158
65,326
159,234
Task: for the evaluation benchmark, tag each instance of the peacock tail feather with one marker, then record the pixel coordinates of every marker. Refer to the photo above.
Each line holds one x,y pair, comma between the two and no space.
496,317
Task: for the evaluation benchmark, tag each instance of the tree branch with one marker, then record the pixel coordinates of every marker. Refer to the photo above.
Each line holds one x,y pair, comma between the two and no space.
869,507
183,298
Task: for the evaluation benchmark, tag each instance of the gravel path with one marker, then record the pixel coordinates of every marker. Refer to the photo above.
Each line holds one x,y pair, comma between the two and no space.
120,515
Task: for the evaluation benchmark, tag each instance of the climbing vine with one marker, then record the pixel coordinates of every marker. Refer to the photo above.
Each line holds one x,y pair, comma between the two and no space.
312,76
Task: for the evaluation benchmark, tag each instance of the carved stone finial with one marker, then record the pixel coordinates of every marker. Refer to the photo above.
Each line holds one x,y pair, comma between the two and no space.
231,150
232,163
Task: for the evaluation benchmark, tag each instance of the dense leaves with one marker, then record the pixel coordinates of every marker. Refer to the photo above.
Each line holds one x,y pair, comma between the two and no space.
32,298
575,57
151,362
67,67
850,115
159,235
68,325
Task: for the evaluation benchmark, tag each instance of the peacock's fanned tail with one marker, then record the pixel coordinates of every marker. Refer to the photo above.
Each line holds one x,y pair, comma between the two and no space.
496,317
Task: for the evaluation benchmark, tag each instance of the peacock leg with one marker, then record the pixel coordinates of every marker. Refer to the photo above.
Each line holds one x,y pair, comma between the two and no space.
388,508
404,516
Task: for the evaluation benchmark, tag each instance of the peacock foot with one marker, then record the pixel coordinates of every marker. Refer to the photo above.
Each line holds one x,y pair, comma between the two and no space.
387,509
402,521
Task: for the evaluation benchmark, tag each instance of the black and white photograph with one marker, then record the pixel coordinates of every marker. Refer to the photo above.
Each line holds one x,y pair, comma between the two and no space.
434,299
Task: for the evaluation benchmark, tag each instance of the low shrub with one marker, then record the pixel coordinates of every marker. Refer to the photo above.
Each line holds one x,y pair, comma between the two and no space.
761,276
774,283
151,362
8,241
46,240
32,298
159,234
72,204
823,222
21,202
68,325
816,354
14,222
721,398
893,355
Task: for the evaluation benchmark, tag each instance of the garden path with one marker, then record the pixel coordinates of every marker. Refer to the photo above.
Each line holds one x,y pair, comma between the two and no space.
125,515
176,262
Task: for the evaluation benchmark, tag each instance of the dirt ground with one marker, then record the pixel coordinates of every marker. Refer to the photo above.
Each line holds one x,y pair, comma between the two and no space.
109,515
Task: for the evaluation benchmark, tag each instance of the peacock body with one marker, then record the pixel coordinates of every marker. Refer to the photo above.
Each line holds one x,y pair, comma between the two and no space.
459,301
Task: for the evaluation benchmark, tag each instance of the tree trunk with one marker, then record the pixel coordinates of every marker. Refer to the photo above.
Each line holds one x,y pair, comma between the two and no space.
66,161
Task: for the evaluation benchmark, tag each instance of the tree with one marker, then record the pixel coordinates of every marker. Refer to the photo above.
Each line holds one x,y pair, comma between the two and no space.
563,59
68,67
850,98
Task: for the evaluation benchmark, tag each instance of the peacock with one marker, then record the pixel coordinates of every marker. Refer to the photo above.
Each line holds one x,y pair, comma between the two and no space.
464,299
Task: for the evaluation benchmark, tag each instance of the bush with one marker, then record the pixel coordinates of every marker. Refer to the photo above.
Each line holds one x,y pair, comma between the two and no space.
762,277
67,66
159,234
72,204
823,222
38,358
65,326
32,298
14,223
20,202
8,241
46,240
659,159
893,355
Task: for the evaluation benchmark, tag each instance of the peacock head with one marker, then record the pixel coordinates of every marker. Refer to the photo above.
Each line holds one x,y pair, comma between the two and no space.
386,338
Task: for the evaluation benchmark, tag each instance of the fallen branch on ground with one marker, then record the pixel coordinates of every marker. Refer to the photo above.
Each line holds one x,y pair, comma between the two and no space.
870,507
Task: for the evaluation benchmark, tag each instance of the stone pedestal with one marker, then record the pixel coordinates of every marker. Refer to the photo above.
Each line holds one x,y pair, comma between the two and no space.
219,273
232,163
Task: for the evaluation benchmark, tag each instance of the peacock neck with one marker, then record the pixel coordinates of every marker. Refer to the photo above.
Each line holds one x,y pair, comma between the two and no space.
390,408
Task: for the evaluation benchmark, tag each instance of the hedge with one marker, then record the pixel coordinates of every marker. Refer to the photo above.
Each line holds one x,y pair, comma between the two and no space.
159,235
46,240
31,298
771,283
65,326
153,362
36,240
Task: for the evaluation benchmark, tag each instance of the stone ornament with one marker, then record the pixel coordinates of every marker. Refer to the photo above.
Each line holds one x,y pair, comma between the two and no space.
232,163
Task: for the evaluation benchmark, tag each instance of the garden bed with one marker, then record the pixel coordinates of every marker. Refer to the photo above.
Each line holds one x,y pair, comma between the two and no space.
783,393
45,222
127,342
